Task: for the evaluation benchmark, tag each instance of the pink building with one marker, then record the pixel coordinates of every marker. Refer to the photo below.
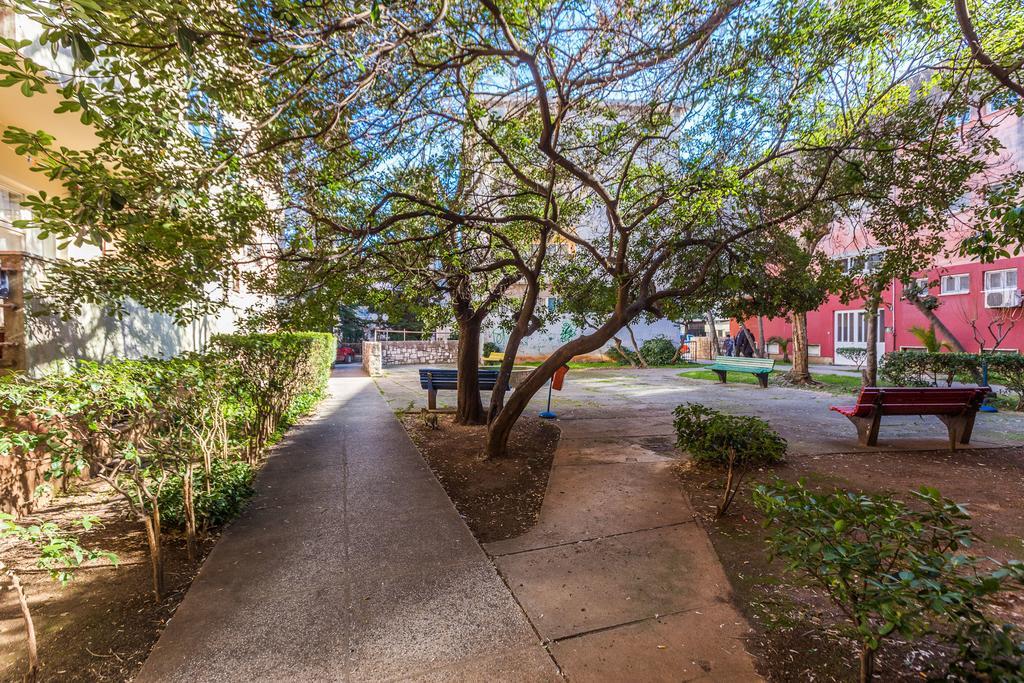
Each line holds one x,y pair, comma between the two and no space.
980,303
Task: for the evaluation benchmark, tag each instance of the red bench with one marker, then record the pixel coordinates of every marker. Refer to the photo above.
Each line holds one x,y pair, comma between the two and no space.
956,407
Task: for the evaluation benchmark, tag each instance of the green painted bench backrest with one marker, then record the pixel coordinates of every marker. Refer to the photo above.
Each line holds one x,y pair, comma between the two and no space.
742,363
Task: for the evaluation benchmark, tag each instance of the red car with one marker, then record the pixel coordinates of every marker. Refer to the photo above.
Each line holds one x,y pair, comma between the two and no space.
346,354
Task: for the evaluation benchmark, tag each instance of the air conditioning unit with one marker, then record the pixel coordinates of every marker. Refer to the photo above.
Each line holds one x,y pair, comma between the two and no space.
1003,298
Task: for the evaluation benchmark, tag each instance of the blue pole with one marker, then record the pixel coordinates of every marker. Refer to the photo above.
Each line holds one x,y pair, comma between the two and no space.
986,405
547,414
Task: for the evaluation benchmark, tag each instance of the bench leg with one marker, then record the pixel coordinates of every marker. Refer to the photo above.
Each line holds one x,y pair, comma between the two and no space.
959,428
432,399
965,438
867,429
762,379
721,376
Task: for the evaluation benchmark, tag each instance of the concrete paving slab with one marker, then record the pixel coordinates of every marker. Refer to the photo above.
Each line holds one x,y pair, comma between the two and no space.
703,644
415,621
584,502
514,665
572,589
349,564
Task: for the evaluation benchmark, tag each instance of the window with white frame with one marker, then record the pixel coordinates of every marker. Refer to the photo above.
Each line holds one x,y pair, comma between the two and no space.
861,264
955,284
814,349
1001,289
552,303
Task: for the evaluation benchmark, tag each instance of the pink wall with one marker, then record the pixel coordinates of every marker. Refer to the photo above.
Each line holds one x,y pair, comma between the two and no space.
955,310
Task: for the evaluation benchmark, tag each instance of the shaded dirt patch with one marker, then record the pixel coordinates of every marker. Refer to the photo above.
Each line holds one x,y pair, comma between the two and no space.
104,623
498,498
799,635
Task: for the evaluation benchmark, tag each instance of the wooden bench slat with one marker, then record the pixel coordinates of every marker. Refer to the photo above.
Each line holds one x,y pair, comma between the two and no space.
955,406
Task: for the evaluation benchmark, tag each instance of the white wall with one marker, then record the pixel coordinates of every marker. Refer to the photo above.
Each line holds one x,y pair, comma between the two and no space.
544,341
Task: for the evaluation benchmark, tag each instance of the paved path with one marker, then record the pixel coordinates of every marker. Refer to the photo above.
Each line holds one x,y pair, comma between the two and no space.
351,564
618,577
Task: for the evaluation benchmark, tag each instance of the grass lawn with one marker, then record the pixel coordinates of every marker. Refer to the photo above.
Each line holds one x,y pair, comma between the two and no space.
834,384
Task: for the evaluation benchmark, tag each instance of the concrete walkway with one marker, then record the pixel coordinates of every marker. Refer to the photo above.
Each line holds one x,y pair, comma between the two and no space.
618,577
351,564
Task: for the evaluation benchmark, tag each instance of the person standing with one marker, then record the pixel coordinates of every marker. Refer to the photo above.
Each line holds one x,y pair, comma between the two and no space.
728,346
744,343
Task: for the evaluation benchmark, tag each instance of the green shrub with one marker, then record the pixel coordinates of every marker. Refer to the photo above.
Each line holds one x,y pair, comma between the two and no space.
622,357
658,351
1008,369
736,442
922,369
889,567
491,347
271,376
230,487
907,368
854,354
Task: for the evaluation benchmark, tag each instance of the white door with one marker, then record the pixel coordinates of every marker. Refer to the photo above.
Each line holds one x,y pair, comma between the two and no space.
851,331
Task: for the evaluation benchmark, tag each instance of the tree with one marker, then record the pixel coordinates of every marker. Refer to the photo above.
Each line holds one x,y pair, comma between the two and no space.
660,143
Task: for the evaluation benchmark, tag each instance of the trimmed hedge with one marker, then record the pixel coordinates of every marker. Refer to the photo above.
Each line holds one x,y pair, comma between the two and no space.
923,369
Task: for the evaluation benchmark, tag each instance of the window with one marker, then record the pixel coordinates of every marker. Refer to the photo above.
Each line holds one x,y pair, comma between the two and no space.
955,284
814,349
1000,280
860,264
1001,289
552,304
921,284
852,327
1003,99
10,207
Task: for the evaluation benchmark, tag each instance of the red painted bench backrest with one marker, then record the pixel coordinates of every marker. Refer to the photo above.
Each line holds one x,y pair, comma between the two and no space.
915,401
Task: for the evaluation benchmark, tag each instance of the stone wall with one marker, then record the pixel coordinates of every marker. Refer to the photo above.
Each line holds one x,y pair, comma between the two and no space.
372,358
418,352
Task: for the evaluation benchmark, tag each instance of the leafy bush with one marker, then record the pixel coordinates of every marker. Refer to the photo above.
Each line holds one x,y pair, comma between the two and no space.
735,441
491,347
890,568
921,368
1008,369
658,351
269,374
216,501
623,356
854,354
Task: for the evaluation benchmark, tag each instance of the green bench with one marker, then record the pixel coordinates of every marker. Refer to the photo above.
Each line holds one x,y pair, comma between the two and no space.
758,367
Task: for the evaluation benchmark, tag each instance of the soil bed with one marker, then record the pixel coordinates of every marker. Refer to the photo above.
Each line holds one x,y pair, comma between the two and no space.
799,635
498,498
104,623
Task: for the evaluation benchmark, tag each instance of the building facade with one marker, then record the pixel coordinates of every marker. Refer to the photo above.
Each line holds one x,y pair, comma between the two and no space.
979,303
35,343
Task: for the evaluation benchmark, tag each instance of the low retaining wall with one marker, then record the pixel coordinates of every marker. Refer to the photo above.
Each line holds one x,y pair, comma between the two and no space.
382,354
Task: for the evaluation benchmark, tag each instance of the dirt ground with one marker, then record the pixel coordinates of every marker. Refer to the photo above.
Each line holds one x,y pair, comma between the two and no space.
799,635
102,626
499,499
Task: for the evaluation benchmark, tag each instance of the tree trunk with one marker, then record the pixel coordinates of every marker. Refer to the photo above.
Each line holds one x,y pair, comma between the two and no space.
622,352
522,329
469,408
30,630
500,428
156,559
871,359
867,664
636,347
188,503
801,371
762,346
716,348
